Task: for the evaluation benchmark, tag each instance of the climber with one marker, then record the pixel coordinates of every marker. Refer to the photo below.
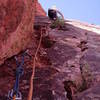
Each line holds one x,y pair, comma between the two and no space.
53,13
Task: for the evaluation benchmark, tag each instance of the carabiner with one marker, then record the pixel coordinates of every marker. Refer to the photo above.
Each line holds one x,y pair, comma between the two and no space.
11,94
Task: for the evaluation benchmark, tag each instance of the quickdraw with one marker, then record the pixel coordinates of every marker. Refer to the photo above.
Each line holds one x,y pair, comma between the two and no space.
15,94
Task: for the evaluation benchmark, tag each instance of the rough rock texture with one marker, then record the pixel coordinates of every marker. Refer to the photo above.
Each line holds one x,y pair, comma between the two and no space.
90,94
16,26
73,58
39,10
69,65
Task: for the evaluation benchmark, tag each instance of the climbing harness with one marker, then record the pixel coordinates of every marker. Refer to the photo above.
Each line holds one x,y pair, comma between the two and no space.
15,94
33,70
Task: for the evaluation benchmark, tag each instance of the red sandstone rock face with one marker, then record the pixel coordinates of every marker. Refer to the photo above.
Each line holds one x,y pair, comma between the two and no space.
40,10
16,24
67,61
10,17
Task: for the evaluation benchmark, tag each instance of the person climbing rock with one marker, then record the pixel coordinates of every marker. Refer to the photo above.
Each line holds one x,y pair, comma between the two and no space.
53,13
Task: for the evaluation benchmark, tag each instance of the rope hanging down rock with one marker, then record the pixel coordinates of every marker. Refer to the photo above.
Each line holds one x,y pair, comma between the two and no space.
33,70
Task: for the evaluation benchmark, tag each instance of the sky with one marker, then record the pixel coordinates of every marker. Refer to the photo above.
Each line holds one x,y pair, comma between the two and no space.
83,10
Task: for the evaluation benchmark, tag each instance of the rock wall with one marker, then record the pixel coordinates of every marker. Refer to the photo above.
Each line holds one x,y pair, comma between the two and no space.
67,69
16,26
39,10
